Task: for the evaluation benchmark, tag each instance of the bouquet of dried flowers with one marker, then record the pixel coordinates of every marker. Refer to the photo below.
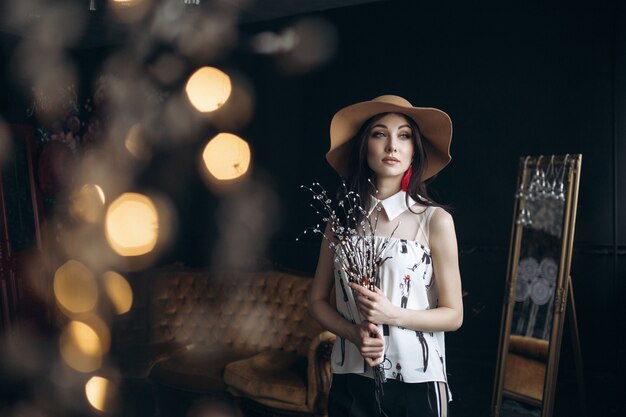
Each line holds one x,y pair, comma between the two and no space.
353,243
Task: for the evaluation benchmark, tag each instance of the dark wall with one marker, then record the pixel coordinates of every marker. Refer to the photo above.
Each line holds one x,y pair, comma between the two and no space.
531,80
617,286
13,104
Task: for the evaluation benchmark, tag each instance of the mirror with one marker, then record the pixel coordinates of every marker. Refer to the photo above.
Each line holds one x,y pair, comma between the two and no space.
537,285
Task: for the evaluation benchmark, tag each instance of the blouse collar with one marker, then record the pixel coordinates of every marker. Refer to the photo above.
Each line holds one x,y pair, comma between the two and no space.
394,205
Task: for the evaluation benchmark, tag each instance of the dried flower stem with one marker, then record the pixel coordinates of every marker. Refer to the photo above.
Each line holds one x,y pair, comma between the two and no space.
357,253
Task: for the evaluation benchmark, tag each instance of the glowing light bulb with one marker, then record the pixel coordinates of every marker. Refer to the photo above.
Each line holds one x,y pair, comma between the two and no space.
227,156
119,291
75,288
96,390
208,89
80,347
132,225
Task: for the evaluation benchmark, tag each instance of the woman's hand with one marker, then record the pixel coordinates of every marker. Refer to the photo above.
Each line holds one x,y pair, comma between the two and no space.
370,343
373,305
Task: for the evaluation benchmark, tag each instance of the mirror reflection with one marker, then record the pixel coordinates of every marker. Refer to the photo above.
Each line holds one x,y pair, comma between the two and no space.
538,260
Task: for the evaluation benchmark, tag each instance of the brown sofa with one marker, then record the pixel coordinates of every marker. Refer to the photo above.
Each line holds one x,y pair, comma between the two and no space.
245,333
526,369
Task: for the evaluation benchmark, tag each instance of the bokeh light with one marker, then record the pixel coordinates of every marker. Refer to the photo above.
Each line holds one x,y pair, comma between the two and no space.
181,120
96,390
312,43
132,225
87,203
227,156
207,37
168,68
80,347
119,291
208,89
136,143
268,43
62,26
60,72
129,11
75,288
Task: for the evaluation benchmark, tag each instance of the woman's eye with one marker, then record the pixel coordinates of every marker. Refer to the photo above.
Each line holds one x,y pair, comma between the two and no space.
405,135
378,134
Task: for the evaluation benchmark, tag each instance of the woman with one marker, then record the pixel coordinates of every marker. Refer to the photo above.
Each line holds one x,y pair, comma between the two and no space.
396,147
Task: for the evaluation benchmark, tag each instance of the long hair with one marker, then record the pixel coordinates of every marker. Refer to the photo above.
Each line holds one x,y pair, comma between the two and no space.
362,179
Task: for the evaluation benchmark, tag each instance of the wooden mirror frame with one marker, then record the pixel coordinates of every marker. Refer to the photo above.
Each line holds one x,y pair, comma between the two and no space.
572,163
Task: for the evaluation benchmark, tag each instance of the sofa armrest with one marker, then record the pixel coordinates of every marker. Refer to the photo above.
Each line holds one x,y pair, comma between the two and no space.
319,372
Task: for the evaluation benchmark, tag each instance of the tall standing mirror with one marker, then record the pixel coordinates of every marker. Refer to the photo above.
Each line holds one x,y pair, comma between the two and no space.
538,286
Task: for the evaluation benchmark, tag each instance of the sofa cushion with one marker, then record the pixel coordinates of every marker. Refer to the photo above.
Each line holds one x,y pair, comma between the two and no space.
524,377
197,371
271,375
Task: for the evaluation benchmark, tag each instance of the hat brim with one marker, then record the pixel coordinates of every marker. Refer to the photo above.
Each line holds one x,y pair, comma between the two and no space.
435,127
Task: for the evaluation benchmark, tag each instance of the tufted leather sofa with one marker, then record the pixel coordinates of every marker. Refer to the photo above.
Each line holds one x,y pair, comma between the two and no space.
246,333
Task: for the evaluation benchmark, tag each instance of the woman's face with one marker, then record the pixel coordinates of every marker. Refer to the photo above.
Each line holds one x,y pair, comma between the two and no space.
390,146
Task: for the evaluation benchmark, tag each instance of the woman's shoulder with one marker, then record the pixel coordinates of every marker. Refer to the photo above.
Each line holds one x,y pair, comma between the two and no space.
441,221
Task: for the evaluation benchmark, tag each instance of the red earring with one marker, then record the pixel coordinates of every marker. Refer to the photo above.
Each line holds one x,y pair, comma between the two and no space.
407,177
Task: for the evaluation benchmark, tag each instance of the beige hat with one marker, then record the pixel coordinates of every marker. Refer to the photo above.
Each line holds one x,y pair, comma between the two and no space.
435,127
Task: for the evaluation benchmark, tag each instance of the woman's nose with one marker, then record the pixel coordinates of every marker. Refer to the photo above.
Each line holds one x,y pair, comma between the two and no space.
391,146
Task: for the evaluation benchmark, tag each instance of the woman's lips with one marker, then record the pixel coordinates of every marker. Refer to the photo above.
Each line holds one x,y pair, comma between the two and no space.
391,161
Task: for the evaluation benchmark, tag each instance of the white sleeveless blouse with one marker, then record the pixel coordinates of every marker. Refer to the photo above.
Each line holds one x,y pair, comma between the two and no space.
406,278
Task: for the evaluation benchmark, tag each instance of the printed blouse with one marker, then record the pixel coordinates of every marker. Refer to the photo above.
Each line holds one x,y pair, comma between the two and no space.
406,278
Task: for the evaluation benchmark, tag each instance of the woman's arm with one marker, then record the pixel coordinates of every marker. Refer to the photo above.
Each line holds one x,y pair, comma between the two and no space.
371,347
448,316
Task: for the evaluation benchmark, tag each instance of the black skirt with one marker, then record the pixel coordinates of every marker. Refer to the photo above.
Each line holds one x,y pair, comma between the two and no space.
353,395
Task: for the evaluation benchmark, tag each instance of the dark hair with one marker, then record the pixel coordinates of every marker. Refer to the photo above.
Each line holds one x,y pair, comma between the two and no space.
361,179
